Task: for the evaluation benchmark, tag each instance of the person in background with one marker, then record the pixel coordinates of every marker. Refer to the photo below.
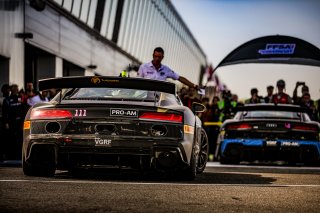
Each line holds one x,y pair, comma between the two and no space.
183,91
309,104
225,106
268,98
40,97
157,71
281,97
191,97
210,119
52,93
304,89
4,135
318,109
255,98
28,93
13,121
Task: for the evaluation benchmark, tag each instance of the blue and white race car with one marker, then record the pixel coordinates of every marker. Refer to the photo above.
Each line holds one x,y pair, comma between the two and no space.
269,132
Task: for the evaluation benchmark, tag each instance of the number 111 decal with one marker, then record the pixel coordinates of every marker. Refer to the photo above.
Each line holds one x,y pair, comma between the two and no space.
81,113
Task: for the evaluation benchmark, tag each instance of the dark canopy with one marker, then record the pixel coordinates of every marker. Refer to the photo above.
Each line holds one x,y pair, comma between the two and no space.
274,49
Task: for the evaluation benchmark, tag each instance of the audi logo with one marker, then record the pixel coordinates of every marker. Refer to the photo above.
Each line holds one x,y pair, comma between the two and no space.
271,125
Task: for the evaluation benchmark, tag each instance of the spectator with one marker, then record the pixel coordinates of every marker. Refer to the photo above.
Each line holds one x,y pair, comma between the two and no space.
157,71
13,121
4,135
318,109
304,89
40,97
183,91
309,104
29,92
281,97
191,97
211,116
235,103
268,98
225,105
255,98
52,93
5,90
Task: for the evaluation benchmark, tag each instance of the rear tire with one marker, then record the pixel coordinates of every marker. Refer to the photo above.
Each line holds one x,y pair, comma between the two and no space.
204,151
190,172
40,171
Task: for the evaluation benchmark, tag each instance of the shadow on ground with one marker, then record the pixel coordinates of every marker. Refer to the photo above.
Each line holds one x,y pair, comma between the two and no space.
155,177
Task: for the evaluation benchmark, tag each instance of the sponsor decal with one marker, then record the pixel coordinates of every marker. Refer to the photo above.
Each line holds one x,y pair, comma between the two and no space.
124,112
287,125
26,125
289,143
97,80
278,49
102,142
80,113
271,143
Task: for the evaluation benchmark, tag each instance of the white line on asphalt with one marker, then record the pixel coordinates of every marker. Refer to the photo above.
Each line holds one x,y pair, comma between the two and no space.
217,164
157,183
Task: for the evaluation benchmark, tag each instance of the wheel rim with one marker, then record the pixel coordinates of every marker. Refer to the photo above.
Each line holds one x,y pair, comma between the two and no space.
203,155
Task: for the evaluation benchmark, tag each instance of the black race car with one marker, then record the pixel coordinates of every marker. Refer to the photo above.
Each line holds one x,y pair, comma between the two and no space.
113,121
269,132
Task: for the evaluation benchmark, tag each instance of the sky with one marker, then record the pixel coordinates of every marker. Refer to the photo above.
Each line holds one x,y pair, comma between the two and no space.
220,26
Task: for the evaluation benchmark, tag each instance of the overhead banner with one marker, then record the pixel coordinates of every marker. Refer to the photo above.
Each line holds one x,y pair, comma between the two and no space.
274,49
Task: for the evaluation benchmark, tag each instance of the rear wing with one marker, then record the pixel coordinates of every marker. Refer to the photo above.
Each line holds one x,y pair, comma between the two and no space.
107,82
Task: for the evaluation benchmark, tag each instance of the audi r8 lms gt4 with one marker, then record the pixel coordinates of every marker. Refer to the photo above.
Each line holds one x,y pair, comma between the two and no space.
112,121
269,132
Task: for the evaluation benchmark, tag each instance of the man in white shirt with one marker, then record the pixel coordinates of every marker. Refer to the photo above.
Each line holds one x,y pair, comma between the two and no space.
41,97
157,71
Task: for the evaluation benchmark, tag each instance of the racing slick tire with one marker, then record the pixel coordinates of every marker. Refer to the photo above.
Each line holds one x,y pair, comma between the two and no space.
40,171
203,154
190,172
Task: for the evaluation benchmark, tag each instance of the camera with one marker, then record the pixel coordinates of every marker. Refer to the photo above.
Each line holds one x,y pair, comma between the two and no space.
299,83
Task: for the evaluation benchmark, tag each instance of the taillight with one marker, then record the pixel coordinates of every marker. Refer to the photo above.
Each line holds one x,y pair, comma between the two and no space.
305,128
50,114
161,116
242,126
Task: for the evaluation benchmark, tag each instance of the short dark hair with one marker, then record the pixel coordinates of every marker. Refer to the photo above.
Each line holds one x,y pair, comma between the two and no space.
281,83
254,91
159,49
5,87
270,87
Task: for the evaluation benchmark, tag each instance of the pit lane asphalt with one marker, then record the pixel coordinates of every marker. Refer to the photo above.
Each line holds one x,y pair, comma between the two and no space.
244,188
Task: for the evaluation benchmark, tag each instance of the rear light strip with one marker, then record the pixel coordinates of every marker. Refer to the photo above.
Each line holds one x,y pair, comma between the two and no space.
242,126
50,114
161,116
305,128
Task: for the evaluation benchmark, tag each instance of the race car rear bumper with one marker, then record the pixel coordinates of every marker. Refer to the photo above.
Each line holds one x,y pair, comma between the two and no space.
260,149
160,154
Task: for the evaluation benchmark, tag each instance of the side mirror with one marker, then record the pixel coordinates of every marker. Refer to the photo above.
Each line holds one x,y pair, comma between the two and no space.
197,107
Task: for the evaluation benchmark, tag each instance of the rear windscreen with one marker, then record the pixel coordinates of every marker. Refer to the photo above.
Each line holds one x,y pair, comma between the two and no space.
110,93
272,114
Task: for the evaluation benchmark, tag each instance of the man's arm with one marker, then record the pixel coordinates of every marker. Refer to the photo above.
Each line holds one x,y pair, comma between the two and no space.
188,83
